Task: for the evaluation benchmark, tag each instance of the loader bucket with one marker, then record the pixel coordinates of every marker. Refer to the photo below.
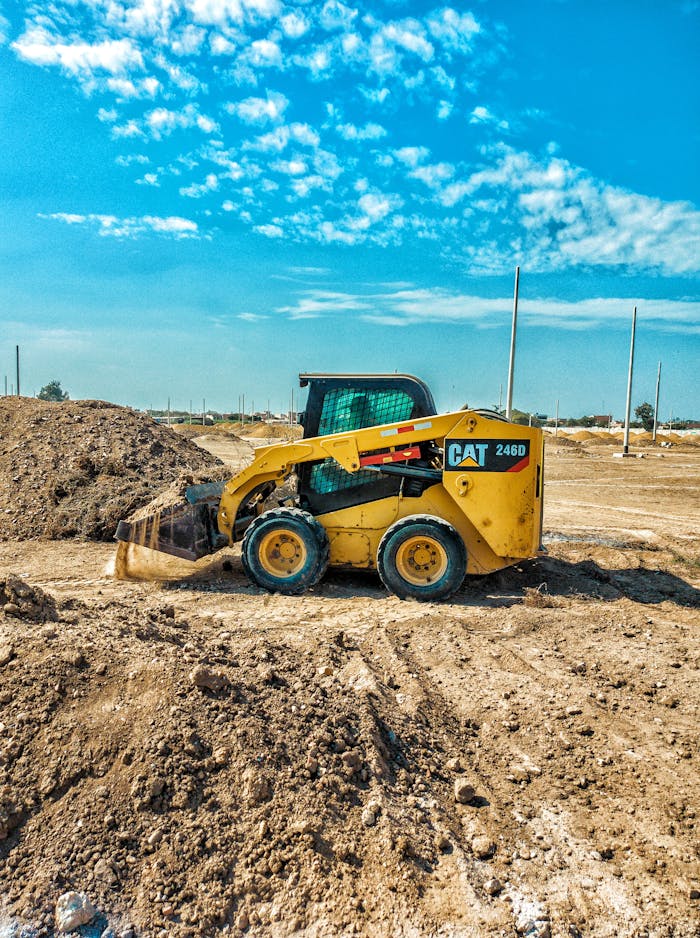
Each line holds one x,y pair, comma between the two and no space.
186,529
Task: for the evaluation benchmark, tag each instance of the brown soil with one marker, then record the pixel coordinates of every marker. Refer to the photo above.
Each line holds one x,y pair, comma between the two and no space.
78,468
201,758
637,439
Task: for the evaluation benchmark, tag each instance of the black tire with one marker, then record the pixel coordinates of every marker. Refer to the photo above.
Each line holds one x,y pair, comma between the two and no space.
285,550
423,558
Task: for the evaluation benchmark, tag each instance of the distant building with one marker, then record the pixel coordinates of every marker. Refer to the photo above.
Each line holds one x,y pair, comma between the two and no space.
601,420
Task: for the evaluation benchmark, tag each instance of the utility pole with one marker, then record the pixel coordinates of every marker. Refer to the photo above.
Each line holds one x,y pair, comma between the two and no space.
656,403
556,419
190,413
5,385
17,356
168,411
626,442
511,362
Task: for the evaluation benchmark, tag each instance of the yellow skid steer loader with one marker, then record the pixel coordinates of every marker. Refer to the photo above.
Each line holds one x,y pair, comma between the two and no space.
383,482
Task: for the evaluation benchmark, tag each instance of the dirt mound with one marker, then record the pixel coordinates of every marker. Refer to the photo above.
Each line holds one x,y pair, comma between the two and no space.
18,599
202,782
271,431
209,760
189,431
259,431
224,431
561,440
77,468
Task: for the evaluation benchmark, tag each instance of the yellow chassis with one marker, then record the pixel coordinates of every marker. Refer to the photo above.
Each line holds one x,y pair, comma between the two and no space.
498,513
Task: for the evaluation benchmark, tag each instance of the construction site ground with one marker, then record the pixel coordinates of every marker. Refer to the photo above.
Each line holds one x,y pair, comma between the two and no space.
200,758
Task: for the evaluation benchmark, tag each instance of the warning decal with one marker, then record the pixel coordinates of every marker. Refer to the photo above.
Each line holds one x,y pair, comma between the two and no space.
487,455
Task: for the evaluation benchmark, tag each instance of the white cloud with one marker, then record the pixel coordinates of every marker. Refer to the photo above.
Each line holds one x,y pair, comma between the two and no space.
482,115
454,31
81,59
272,142
127,88
289,167
444,110
152,68
149,179
259,110
138,158
264,53
562,216
377,206
336,15
130,129
225,12
67,217
316,303
221,45
197,190
411,156
375,95
318,62
406,305
304,135
294,24
188,40
206,124
409,35
270,231
327,164
435,175
112,226
370,131
278,139
302,187
180,78
161,121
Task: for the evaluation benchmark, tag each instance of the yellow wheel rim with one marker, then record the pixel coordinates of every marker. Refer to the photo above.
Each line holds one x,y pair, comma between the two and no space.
421,560
282,553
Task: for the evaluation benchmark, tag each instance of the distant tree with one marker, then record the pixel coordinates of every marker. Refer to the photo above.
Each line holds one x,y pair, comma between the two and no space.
645,413
53,392
519,416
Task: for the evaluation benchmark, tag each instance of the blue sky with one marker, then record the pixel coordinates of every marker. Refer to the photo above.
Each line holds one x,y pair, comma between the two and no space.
200,198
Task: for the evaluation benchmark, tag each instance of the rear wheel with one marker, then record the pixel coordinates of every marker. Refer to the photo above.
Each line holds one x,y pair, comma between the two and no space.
285,550
421,557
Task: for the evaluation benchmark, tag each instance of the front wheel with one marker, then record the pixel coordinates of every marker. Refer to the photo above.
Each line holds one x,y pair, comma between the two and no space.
285,550
423,558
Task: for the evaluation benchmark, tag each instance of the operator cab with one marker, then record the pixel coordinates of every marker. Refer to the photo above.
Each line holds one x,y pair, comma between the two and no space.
347,402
